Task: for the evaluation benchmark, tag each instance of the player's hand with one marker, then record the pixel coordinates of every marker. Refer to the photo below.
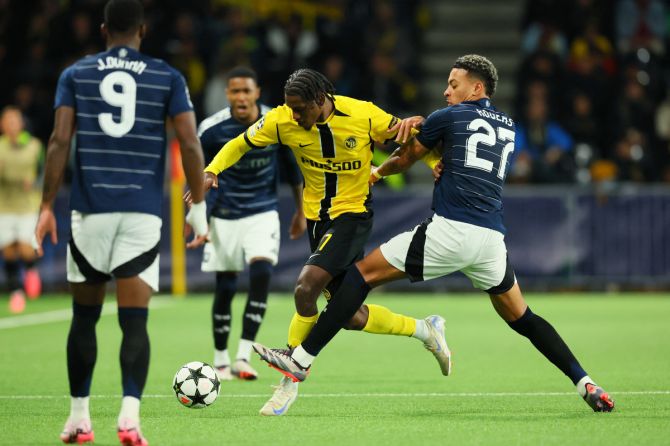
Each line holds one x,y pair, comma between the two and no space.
298,225
196,221
405,126
437,170
188,199
374,176
211,181
197,241
46,224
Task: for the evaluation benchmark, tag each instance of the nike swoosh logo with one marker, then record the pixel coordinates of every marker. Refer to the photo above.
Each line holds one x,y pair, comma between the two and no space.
282,409
305,145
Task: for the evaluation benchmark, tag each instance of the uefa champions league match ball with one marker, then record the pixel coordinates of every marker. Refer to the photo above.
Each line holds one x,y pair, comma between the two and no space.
196,385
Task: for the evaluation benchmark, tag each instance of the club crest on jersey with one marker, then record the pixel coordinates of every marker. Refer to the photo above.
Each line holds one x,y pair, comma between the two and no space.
350,142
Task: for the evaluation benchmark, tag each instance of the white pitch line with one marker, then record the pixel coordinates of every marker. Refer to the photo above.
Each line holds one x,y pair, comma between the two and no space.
60,315
366,395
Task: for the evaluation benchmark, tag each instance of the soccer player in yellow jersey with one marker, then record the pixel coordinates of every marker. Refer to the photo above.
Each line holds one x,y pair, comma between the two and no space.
332,138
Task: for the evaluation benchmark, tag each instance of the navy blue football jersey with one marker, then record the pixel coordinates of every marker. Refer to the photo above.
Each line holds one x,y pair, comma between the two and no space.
249,186
121,98
477,142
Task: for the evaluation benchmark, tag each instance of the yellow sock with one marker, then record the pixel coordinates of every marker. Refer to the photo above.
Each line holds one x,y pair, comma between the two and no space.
300,328
382,321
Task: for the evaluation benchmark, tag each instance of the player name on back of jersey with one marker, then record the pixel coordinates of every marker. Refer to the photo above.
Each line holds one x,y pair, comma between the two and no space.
114,63
493,115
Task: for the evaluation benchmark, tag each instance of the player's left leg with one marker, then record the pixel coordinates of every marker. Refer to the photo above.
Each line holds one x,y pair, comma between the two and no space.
134,264
17,299
260,273
32,283
512,308
31,278
133,295
260,243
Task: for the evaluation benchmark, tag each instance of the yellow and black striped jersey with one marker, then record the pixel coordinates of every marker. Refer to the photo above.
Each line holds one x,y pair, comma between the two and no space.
334,156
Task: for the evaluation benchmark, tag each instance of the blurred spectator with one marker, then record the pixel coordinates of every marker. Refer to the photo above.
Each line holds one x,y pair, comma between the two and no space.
540,74
390,87
592,44
583,124
337,72
633,157
635,108
289,46
662,119
640,24
543,149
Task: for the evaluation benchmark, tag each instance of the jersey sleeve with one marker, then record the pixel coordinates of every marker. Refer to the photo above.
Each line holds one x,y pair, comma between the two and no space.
65,89
180,99
380,123
288,168
264,132
432,130
210,146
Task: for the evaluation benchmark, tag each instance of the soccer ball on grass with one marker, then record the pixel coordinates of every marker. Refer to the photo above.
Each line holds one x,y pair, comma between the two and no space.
196,385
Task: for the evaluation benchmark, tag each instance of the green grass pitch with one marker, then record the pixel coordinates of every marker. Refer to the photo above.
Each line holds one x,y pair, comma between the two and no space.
364,389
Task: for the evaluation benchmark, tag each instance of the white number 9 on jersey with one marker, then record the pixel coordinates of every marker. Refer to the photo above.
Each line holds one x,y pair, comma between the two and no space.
125,99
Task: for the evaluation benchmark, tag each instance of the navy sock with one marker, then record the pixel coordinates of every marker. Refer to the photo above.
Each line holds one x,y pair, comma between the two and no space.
12,274
342,306
260,273
226,285
545,338
82,348
135,350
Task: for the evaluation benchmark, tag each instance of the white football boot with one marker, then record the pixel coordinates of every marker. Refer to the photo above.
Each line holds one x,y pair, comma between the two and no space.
285,394
437,343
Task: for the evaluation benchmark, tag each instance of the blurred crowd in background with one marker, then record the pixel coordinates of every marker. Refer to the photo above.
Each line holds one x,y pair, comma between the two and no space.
592,101
593,92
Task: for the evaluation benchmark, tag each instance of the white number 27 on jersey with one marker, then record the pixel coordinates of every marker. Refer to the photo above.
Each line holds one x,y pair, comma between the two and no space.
488,138
125,99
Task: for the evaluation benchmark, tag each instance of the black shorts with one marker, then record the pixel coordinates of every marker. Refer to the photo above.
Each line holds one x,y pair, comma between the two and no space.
337,244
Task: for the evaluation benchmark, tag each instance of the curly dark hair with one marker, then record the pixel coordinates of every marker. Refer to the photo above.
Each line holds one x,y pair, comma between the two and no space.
309,85
481,68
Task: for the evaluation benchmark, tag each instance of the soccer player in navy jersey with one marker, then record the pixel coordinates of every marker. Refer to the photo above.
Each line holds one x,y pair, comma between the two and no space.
465,234
116,103
244,222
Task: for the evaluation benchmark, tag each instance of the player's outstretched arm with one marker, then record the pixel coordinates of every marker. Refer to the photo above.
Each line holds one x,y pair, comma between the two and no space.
58,153
400,160
193,163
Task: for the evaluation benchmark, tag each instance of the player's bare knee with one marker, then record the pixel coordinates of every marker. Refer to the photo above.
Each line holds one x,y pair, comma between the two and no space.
305,296
359,320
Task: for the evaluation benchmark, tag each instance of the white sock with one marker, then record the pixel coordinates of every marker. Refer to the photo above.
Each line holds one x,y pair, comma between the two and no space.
244,349
302,357
221,358
288,383
581,385
79,408
421,331
130,409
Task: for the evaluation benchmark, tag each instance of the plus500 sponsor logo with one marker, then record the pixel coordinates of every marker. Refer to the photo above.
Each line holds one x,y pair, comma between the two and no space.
333,166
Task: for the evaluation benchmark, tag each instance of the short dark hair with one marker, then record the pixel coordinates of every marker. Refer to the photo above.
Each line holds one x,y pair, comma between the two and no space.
308,84
123,16
481,68
241,71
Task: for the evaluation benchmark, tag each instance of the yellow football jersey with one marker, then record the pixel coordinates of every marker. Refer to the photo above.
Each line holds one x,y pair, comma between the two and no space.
334,156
